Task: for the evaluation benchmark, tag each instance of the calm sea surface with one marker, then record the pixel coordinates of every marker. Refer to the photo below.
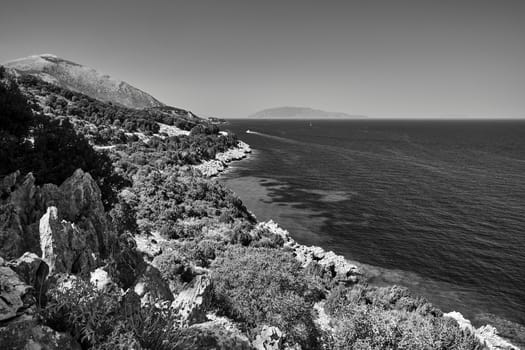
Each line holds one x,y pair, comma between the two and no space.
437,206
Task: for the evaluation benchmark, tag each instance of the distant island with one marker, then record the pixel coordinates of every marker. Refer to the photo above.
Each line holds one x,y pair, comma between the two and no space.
301,113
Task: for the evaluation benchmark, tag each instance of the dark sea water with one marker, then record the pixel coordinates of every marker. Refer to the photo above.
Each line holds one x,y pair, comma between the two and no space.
437,206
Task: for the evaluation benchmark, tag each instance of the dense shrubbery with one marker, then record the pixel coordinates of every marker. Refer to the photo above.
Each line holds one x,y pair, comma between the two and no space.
67,102
390,318
105,320
260,286
55,151
165,199
342,300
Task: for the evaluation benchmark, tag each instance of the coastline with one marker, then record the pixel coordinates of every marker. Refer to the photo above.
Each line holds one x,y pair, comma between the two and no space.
486,334
214,167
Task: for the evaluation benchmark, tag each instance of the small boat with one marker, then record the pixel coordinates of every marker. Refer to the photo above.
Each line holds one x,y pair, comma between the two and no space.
248,131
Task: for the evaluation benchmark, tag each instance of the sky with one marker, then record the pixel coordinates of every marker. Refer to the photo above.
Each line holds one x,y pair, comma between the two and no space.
391,58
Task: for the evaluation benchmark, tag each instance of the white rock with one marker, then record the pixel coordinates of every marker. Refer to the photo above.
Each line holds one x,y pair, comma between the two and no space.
191,302
270,338
487,335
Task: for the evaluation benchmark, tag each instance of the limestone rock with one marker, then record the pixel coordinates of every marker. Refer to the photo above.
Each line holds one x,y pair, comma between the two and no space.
65,248
19,207
22,204
215,166
102,281
270,338
275,229
11,232
148,245
487,335
191,303
33,271
15,295
28,334
323,319
151,287
82,199
328,265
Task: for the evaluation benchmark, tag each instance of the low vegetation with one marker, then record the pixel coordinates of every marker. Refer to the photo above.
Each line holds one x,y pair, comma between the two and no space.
149,186
259,286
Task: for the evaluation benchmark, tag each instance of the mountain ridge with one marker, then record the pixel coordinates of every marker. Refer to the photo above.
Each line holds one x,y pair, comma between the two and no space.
84,79
292,112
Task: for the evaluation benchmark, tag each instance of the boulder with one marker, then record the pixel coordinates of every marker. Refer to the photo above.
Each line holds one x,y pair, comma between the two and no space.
33,271
65,248
15,295
270,338
151,287
26,333
102,281
192,302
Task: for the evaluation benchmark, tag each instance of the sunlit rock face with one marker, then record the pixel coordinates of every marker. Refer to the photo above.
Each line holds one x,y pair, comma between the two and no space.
86,80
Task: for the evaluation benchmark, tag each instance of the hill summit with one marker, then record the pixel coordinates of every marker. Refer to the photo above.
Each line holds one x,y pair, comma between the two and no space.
86,80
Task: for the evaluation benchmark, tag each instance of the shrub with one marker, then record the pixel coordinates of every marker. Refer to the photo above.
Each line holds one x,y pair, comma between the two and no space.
102,320
387,298
389,318
260,286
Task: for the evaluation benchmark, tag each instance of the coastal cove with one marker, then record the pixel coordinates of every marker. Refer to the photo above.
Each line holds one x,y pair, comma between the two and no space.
325,191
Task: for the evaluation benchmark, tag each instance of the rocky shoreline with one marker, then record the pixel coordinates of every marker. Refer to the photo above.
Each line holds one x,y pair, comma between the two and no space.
215,166
343,270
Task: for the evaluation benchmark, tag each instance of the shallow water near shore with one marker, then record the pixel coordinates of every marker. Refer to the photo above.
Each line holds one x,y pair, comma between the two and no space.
436,206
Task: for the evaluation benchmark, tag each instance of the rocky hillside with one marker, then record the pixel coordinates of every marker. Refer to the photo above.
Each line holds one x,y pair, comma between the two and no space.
88,81
300,113
119,240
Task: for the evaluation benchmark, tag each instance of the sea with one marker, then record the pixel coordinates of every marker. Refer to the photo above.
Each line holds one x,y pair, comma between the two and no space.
437,206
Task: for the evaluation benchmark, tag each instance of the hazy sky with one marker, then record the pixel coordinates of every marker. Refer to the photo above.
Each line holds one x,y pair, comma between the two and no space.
233,58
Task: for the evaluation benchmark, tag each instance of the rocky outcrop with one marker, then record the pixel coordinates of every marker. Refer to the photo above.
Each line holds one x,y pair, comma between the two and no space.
15,295
192,302
330,267
215,166
487,335
82,204
270,338
151,287
12,242
20,208
33,271
102,281
23,203
65,248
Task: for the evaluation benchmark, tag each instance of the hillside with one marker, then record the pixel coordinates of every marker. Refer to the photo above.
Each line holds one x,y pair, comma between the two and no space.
300,113
86,80
112,237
